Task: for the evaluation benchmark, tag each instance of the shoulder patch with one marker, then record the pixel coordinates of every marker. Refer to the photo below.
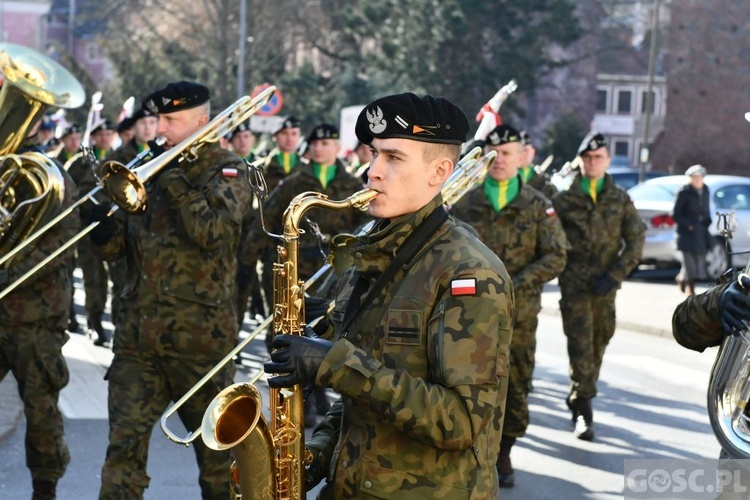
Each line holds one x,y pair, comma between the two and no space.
465,286
550,211
229,172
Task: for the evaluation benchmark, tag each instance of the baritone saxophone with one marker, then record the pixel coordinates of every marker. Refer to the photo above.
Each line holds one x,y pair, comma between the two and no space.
270,456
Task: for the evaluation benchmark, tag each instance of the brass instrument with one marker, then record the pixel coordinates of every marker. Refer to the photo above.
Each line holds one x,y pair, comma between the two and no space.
729,385
270,456
563,178
32,187
126,185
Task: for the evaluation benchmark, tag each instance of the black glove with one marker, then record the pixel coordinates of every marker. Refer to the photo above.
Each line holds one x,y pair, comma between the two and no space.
107,227
734,305
604,283
297,359
315,307
316,471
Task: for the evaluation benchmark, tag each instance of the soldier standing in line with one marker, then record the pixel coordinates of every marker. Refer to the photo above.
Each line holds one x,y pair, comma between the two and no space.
420,360
606,235
71,143
95,276
284,157
33,318
242,140
144,130
528,172
125,130
520,226
180,318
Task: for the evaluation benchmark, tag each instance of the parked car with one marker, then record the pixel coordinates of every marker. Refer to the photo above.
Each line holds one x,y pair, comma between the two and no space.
654,200
626,177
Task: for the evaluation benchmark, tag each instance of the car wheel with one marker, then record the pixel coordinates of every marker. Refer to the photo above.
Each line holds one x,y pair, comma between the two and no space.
717,259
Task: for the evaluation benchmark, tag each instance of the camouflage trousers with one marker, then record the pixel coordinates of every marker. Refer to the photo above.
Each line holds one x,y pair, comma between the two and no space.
118,273
33,353
522,349
589,324
94,278
140,389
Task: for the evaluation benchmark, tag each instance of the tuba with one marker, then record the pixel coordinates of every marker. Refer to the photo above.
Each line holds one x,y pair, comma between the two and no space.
31,184
270,455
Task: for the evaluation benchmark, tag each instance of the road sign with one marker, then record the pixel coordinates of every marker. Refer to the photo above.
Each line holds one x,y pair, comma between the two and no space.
274,104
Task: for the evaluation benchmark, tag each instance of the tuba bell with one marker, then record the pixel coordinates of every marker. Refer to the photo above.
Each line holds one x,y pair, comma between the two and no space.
31,184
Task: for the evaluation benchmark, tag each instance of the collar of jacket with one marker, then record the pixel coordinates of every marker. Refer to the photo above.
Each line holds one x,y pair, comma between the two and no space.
576,189
521,201
307,170
375,251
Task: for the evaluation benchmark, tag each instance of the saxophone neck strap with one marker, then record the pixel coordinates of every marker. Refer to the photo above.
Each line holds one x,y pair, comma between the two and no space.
404,255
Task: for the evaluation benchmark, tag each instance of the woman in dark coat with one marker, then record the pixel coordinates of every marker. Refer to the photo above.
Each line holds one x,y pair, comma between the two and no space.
693,218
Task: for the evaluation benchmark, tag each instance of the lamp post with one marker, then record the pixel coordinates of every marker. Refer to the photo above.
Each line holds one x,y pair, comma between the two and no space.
646,142
241,51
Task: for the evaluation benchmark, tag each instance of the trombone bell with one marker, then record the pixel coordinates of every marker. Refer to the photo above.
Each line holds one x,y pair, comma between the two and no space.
124,187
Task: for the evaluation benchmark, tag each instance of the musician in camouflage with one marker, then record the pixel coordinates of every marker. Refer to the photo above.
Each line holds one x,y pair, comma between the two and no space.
606,235
180,316
33,318
283,159
520,226
421,366
144,130
538,180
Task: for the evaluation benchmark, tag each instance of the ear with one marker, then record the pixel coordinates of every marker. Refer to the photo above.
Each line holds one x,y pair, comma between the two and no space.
442,169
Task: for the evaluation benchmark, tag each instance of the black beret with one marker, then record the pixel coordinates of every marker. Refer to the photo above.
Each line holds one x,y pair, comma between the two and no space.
408,116
126,123
142,112
47,124
525,138
592,142
323,131
242,127
177,97
289,122
503,134
105,125
73,128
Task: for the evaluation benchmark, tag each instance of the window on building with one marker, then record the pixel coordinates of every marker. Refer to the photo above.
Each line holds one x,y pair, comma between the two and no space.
602,96
624,102
622,148
644,102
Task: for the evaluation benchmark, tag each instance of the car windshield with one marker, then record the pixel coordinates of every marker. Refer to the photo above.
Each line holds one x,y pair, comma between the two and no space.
653,192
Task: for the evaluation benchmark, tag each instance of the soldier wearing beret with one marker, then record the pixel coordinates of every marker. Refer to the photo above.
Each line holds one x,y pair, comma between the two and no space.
144,130
518,223
94,271
180,316
242,140
606,235
417,344
125,130
284,158
70,141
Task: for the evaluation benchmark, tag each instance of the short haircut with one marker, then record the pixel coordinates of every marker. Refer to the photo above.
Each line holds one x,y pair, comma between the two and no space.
434,150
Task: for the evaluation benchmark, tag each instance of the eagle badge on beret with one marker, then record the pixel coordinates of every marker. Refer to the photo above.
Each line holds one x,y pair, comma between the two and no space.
150,105
376,120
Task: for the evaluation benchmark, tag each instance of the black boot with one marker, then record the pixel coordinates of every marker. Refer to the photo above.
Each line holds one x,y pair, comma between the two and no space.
44,489
95,324
73,326
505,473
584,424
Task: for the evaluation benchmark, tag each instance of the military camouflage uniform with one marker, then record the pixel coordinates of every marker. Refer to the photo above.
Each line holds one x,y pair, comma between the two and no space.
32,333
606,236
118,269
95,278
541,183
696,322
180,316
275,173
422,373
527,236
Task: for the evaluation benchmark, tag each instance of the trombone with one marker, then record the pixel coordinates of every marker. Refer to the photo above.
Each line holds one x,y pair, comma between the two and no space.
127,187
469,173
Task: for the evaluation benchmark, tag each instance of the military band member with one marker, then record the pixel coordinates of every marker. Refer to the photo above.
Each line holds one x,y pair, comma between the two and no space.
242,140
71,143
125,130
421,366
33,319
284,159
94,271
606,235
180,317
519,224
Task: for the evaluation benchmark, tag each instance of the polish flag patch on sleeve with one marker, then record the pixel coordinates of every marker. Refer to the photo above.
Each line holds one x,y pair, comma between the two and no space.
229,172
550,212
465,286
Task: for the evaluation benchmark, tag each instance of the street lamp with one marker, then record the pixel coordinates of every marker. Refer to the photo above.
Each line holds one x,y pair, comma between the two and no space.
645,142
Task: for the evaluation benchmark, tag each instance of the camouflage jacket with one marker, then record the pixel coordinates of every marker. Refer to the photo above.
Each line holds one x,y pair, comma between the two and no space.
182,262
274,171
526,235
422,371
696,321
45,294
541,183
330,223
83,174
606,236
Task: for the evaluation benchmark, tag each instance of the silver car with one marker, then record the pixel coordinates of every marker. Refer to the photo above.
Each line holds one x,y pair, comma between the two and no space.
654,200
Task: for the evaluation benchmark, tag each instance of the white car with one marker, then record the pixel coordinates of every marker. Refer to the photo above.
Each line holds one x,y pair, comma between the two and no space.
654,200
